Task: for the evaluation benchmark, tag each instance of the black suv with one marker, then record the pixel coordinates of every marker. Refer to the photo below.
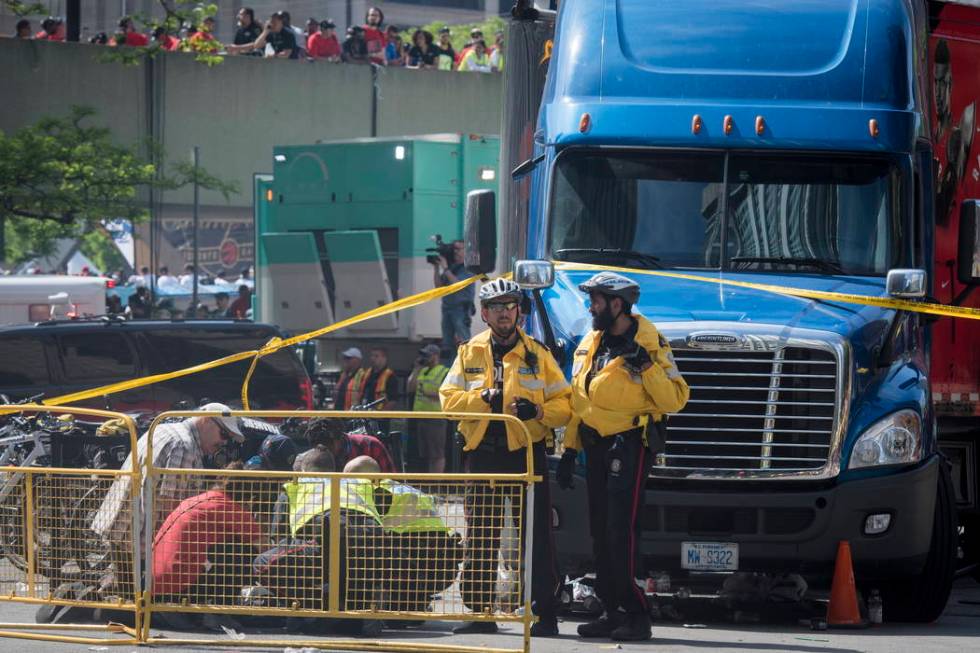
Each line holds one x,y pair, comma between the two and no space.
61,357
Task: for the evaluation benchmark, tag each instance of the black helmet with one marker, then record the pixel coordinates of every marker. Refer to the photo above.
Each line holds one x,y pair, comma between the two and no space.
614,285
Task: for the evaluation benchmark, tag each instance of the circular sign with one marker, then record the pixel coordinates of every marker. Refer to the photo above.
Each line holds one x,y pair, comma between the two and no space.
229,253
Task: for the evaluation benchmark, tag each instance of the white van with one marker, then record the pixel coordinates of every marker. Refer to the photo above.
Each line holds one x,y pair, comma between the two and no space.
36,298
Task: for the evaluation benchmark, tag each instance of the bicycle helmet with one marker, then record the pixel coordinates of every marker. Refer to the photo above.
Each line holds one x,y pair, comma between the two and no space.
500,289
613,285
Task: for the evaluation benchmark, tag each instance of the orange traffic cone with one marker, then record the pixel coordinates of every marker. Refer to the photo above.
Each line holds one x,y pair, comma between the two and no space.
843,611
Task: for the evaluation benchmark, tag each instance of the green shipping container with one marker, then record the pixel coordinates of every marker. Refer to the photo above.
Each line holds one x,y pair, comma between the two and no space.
343,227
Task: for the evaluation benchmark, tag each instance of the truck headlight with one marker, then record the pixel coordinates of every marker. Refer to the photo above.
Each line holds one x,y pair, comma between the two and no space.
894,440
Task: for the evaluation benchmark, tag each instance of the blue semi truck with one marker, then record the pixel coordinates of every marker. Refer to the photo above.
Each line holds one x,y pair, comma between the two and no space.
798,144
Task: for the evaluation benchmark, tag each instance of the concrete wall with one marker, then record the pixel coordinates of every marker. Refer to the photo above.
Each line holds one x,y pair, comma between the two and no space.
237,111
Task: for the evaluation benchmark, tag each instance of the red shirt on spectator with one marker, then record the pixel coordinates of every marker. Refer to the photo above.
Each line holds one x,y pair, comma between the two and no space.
368,445
198,523
239,307
136,39
376,44
170,43
44,36
319,46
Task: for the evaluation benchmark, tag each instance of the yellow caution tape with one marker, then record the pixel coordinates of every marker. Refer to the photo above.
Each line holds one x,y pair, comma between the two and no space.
882,302
269,348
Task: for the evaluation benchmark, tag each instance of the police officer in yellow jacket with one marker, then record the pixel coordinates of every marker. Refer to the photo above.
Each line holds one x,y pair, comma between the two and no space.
624,381
497,370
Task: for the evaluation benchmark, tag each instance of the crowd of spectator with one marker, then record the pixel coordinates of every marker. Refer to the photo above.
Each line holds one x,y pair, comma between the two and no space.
143,295
373,43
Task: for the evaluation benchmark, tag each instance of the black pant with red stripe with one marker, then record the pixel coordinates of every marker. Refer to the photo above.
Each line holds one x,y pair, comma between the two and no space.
616,471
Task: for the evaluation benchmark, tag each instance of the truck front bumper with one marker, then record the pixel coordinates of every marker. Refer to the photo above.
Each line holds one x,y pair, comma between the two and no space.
781,529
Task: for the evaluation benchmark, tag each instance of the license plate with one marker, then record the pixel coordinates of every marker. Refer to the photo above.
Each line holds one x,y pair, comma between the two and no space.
709,556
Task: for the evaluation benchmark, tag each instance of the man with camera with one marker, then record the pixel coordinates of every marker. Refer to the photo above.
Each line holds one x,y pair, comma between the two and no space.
457,308
423,384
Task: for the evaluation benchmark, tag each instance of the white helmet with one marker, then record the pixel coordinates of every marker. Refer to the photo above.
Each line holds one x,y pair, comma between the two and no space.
614,285
499,289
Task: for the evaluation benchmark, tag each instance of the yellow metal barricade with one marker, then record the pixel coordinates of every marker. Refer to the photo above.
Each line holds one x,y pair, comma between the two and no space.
340,548
53,553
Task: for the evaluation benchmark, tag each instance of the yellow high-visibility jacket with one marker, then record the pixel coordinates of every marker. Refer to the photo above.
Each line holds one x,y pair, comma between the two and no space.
472,372
618,400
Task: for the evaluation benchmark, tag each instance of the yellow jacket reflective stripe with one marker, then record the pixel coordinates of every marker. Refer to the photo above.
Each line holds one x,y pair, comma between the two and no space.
618,400
472,372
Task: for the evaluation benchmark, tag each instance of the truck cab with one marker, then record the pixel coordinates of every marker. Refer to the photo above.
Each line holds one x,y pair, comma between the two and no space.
708,149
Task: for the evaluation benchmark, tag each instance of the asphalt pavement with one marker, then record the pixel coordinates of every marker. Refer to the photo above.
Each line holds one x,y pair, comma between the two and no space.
957,631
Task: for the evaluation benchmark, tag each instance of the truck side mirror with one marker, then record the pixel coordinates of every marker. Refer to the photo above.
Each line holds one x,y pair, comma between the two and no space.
534,275
968,257
480,231
906,284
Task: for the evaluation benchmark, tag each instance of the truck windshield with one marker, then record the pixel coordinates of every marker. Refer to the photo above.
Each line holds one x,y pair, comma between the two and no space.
787,212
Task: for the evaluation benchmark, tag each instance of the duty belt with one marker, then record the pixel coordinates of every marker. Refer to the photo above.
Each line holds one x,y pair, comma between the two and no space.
590,436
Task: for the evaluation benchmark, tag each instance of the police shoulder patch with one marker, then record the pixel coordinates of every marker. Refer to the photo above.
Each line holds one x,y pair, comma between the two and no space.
663,341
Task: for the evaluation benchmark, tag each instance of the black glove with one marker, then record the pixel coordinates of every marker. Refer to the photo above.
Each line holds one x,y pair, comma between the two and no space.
637,359
566,469
526,409
493,397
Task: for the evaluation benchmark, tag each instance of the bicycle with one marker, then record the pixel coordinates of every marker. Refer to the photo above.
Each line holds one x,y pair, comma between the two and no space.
64,545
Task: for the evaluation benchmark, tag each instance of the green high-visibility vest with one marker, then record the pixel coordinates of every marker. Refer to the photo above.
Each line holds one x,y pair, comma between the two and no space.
427,390
411,511
310,497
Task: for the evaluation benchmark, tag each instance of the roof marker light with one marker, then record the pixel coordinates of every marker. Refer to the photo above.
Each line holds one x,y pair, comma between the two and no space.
729,124
584,123
873,127
760,125
696,124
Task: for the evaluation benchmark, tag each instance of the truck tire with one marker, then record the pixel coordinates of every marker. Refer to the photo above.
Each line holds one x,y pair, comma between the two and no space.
922,598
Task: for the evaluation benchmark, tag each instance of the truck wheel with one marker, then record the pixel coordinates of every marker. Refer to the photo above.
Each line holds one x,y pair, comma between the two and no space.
922,599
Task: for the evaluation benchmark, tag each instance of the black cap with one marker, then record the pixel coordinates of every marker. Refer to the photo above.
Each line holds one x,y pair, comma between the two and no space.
327,24
444,29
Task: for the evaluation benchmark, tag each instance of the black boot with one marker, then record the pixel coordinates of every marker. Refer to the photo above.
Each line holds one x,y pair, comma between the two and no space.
546,626
635,628
601,627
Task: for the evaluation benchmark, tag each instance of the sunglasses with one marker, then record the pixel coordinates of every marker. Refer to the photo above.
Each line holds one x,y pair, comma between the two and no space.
501,307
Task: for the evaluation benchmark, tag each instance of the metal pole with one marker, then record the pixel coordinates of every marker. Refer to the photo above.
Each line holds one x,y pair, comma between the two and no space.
73,16
196,221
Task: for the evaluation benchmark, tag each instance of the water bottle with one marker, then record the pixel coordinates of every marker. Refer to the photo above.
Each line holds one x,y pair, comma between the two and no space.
874,607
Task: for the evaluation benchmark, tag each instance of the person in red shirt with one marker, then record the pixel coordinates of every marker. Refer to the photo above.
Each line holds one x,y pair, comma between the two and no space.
202,40
324,44
374,37
329,434
205,547
240,307
166,41
129,34
52,29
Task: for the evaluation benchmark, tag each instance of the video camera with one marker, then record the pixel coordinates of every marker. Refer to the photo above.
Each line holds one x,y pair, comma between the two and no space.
442,249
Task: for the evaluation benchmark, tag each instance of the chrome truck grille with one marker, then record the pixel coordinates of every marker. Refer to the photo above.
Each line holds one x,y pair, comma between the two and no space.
757,412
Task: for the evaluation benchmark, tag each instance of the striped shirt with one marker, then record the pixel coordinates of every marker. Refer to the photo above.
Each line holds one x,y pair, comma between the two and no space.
175,446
